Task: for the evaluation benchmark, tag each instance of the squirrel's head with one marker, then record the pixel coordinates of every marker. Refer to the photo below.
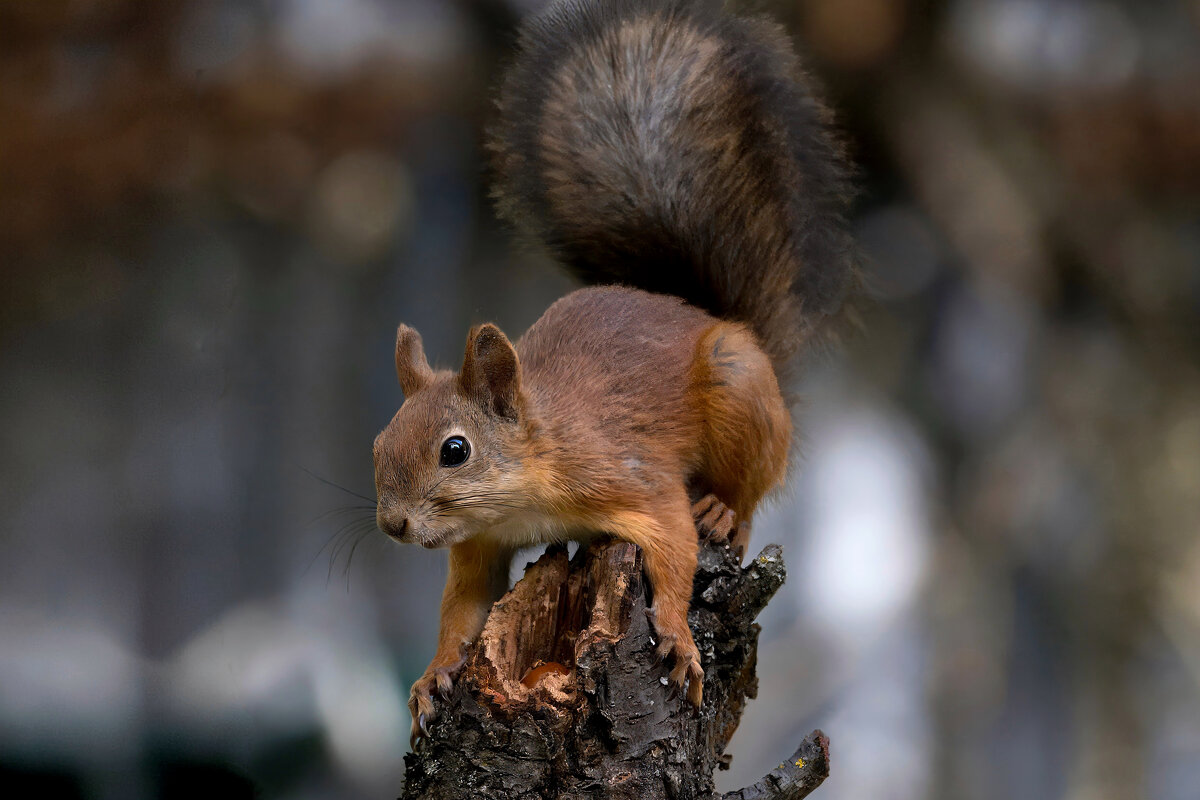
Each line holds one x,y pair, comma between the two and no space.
449,464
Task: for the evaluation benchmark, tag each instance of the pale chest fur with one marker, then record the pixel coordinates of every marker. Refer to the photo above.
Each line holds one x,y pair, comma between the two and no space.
531,527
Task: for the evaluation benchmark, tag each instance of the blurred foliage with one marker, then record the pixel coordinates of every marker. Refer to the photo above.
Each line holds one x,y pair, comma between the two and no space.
212,214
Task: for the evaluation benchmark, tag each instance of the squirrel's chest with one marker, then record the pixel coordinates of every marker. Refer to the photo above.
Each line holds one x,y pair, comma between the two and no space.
537,527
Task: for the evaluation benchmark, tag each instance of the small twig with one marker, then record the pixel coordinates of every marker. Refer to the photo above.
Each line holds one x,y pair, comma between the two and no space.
795,778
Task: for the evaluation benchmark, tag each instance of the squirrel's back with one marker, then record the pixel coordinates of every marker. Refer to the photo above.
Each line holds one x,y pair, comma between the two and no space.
669,146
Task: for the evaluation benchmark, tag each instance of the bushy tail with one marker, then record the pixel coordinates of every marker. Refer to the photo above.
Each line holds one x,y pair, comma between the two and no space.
669,146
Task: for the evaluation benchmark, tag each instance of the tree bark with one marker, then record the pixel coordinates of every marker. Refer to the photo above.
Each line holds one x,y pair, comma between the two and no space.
561,697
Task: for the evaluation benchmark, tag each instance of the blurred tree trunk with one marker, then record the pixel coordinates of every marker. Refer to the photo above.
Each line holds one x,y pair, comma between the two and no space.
561,696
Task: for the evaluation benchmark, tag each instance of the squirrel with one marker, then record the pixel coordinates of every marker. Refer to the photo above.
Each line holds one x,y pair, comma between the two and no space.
672,155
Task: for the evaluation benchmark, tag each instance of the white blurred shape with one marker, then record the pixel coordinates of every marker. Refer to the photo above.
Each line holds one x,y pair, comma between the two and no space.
66,689
857,578
251,659
362,708
867,522
290,674
868,525
880,723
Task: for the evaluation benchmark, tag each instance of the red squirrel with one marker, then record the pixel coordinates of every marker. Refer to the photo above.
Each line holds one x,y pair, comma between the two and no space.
671,154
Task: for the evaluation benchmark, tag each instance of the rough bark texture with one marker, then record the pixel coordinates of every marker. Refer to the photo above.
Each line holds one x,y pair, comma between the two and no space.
561,696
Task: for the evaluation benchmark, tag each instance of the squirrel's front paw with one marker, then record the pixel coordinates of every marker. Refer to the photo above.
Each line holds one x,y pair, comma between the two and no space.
686,672
420,699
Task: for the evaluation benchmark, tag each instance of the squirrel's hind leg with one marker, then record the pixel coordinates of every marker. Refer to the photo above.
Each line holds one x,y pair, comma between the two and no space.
717,522
747,428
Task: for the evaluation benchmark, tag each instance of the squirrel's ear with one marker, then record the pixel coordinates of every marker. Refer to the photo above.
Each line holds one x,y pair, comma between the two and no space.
491,372
411,367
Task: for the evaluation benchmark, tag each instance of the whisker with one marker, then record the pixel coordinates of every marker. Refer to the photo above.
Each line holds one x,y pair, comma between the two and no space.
444,510
500,498
338,541
438,482
343,511
328,482
351,538
497,496
455,509
327,543
350,558
474,502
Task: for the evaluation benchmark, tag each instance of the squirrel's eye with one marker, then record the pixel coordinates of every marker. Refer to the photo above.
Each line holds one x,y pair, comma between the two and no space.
455,451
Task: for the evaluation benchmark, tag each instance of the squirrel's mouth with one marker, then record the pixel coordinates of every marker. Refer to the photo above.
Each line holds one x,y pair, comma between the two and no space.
429,539
406,530
436,540
439,536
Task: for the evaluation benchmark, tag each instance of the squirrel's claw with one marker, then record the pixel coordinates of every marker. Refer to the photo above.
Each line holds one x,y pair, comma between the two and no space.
439,680
703,506
420,731
420,707
715,521
664,648
689,672
445,682
686,672
686,676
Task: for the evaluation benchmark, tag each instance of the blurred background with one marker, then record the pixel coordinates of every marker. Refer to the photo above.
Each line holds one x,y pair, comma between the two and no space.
214,213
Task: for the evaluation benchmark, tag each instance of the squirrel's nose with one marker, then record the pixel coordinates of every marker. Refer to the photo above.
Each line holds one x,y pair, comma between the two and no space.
392,527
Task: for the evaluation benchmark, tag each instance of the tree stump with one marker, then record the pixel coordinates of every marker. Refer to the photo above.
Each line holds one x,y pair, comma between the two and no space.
561,697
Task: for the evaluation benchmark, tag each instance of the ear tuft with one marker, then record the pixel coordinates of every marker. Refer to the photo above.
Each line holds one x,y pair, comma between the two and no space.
491,372
411,366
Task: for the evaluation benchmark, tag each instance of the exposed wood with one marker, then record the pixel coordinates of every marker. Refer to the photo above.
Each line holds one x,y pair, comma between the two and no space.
561,696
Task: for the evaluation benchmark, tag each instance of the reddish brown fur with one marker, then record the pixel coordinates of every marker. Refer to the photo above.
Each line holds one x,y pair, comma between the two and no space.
667,146
628,406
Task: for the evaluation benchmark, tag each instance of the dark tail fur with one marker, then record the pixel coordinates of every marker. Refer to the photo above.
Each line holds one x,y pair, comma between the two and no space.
667,145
